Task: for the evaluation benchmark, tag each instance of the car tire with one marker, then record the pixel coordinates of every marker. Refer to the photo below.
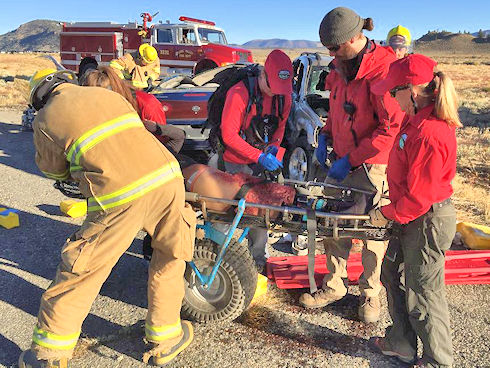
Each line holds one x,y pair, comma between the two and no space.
232,290
298,160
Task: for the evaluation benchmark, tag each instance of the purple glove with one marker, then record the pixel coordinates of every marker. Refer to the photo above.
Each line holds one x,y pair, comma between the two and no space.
340,169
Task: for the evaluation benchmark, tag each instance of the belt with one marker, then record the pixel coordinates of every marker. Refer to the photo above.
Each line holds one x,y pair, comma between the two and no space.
441,204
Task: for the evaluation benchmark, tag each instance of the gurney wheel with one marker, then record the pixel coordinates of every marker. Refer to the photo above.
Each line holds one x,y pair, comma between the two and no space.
230,293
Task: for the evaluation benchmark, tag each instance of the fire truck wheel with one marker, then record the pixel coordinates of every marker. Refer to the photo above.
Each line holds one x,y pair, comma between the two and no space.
205,65
232,290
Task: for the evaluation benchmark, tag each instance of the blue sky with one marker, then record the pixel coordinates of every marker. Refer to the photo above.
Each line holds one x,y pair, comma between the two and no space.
261,19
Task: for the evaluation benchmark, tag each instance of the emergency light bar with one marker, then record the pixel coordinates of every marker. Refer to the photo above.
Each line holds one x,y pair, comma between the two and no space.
194,20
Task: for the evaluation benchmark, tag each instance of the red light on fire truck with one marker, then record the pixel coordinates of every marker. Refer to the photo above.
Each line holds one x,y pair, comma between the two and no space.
194,20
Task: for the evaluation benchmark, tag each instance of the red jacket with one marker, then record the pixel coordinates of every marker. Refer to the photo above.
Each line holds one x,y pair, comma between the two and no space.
421,166
151,109
237,150
368,135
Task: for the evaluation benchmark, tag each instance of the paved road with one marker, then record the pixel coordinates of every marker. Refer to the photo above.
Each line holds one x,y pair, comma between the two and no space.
275,332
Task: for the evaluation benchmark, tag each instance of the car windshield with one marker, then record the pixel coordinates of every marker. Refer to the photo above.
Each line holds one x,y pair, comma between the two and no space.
212,35
314,78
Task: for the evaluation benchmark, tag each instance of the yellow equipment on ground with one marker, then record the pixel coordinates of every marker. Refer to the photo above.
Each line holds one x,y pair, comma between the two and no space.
474,236
73,208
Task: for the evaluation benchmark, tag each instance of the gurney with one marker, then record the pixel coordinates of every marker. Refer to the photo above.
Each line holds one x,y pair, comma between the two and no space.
221,279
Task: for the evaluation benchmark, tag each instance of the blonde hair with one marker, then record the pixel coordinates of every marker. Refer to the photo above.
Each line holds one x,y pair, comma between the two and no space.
105,77
441,90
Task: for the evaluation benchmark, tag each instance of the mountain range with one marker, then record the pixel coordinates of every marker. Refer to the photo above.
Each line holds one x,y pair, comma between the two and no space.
43,35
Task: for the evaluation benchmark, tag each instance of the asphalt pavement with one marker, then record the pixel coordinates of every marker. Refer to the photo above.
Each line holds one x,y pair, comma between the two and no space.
274,332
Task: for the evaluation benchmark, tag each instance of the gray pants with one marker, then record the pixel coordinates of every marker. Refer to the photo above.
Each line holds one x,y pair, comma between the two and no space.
257,238
419,307
337,251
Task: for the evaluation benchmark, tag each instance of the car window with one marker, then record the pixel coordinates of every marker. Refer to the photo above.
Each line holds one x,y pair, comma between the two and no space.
298,78
211,35
314,78
164,36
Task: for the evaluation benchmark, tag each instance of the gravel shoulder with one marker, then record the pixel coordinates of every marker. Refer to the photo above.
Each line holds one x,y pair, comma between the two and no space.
274,332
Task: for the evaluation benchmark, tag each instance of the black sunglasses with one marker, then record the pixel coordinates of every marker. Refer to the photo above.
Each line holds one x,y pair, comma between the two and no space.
395,90
333,48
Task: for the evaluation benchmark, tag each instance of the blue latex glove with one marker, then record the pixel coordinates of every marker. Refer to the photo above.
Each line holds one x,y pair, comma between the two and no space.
272,150
321,151
269,162
340,169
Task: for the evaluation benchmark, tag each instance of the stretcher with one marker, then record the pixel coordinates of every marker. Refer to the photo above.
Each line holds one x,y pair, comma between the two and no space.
221,279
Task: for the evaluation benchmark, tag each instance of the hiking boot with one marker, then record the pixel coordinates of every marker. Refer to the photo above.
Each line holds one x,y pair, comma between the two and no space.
319,299
369,309
161,356
403,352
28,359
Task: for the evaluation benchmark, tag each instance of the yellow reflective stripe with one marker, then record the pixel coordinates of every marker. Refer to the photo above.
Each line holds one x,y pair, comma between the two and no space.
160,333
75,168
99,133
139,84
53,341
136,189
62,176
115,64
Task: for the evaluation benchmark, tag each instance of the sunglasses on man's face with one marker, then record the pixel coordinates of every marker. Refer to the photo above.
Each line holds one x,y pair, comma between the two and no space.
333,48
395,90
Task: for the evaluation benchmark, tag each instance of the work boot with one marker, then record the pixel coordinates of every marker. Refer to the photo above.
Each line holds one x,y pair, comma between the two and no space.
319,299
28,359
160,355
369,309
403,352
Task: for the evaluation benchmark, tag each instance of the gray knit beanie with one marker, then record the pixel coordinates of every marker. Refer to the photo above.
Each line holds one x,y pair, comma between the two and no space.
339,26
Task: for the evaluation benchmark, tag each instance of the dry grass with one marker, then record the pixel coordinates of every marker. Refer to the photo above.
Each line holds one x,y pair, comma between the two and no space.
20,66
471,76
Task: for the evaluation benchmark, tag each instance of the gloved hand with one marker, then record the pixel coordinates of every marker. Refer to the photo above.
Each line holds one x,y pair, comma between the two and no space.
376,218
340,169
321,151
269,162
271,149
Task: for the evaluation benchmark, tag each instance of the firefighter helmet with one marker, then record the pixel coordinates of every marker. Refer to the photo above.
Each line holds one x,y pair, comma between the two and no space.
395,34
148,53
44,81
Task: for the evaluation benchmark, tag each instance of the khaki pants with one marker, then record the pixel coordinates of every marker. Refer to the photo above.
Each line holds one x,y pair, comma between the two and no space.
89,255
337,251
418,306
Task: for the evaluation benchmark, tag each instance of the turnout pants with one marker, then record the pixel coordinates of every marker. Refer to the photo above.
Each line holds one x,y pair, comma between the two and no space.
413,274
337,251
89,255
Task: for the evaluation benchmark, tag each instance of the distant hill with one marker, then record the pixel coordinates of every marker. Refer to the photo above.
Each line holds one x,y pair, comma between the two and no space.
282,43
450,42
37,35
486,32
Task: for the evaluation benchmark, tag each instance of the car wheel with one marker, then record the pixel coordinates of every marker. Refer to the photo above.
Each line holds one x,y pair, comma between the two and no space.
298,162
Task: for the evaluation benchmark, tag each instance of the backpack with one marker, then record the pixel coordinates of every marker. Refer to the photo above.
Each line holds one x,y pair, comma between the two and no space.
227,79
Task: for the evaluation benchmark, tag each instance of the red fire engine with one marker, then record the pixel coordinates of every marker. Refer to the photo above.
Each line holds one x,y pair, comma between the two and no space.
193,45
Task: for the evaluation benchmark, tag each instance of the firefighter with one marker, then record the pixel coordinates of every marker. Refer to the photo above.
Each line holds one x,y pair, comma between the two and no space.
94,136
141,67
362,127
148,107
400,40
421,166
272,106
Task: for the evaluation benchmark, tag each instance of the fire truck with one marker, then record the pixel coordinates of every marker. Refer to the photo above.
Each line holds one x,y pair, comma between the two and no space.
190,47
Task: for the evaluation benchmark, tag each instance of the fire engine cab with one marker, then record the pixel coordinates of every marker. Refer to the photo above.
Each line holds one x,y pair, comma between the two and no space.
191,46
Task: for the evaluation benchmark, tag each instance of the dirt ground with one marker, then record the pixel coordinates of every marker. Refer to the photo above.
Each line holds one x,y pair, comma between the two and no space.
274,332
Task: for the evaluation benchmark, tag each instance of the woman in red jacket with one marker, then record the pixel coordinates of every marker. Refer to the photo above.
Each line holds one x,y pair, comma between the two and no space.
421,165
146,105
